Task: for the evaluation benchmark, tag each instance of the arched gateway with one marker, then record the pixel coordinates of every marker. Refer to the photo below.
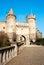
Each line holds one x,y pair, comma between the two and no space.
23,39
22,32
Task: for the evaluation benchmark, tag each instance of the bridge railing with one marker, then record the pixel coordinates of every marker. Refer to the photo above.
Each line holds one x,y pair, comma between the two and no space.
7,53
20,46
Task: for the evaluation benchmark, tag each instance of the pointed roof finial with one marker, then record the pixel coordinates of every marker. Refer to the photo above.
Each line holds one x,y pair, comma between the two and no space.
11,11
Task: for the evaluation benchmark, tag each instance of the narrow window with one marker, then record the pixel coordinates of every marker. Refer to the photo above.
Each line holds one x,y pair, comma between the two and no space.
3,27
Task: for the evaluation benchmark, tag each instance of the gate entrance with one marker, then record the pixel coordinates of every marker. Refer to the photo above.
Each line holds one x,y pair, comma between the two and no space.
23,39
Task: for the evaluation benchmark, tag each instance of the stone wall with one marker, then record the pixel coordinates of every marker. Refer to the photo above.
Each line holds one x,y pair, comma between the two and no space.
38,34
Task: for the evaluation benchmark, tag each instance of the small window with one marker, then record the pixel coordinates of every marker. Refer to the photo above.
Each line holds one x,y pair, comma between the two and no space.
3,27
21,29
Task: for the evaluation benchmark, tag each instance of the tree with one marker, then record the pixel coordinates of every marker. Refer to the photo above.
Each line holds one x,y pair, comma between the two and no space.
14,37
4,40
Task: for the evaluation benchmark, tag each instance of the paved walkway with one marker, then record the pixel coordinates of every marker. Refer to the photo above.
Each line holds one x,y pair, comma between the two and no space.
29,56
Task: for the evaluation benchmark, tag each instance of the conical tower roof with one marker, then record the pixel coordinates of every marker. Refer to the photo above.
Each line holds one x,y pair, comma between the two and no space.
11,12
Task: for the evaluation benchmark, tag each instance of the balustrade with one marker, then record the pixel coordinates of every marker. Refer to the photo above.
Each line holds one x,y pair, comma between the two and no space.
6,54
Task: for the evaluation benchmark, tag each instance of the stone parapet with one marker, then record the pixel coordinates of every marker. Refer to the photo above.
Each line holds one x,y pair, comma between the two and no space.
7,53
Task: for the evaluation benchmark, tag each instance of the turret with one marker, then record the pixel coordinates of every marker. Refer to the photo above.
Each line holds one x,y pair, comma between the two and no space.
10,21
31,20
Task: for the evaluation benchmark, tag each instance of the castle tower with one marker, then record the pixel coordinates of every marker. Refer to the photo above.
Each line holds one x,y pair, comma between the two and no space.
10,22
31,20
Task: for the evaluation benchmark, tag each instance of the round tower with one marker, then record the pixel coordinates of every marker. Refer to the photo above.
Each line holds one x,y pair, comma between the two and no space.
31,20
10,21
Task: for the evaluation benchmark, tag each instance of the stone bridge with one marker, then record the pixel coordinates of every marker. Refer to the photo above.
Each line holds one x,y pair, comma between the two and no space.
7,53
30,55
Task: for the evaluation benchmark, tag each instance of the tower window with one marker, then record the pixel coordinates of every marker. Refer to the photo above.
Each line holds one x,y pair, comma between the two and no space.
3,27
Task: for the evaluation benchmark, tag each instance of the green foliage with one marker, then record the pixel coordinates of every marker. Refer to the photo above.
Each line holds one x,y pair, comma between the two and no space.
4,41
40,41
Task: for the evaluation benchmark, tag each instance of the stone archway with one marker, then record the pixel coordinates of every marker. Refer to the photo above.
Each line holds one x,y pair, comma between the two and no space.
23,39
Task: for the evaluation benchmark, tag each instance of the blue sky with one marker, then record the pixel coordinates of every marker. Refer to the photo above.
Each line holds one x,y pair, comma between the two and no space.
22,8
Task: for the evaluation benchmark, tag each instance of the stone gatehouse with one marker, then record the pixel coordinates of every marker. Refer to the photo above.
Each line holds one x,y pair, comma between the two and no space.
24,31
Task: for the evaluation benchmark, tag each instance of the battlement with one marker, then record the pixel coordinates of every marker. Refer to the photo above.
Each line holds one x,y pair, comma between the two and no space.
31,16
22,24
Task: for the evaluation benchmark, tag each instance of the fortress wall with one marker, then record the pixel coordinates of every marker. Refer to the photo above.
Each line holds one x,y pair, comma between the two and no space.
38,34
